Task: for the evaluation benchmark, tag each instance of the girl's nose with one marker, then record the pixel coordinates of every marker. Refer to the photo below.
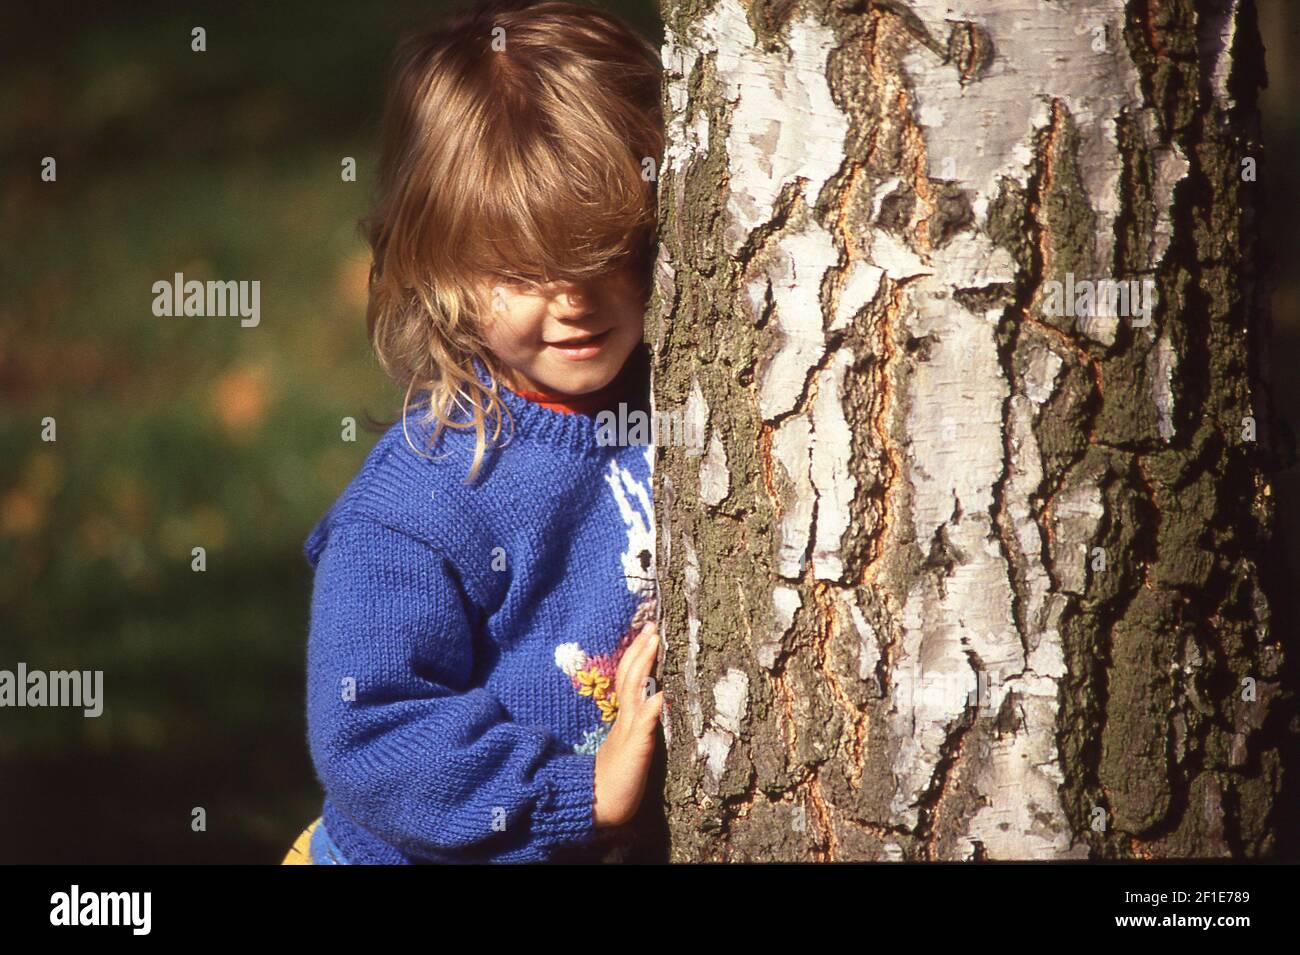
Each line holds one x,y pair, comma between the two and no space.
575,300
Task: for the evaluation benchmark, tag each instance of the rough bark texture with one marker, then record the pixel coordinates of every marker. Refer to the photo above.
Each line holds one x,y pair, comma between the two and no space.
955,578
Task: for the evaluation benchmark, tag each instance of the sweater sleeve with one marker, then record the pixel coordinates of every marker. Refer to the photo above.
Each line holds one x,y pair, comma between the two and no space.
401,741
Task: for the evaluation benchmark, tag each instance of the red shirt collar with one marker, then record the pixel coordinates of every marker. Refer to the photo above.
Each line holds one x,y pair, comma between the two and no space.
590,403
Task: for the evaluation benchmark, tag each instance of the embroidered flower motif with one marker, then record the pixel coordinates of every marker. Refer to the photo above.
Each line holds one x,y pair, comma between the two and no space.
592,739
608,708
591,683
593,676
570,658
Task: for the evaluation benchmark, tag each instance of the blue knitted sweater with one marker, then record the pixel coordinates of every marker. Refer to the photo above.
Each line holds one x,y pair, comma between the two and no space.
464,637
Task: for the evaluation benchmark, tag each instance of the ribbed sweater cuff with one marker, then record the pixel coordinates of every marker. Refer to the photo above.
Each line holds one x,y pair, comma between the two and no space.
566,816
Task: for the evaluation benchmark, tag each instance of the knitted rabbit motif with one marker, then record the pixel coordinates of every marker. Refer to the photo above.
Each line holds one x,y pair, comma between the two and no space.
632,494
593,675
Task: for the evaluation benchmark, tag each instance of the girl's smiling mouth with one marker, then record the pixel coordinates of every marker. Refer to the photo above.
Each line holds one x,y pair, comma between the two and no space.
581,346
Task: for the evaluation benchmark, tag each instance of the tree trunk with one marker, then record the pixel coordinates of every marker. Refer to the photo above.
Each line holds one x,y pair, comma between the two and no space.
965,567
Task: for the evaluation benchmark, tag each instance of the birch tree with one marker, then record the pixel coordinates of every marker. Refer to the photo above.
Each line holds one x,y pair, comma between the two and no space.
975,560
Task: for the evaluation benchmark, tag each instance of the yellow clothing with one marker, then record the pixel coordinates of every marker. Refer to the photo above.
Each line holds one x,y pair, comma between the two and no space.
300,852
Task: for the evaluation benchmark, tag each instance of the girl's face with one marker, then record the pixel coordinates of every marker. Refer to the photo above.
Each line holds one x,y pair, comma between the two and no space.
570,337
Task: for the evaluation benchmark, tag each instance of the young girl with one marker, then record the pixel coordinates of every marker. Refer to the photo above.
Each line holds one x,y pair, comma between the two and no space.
482,623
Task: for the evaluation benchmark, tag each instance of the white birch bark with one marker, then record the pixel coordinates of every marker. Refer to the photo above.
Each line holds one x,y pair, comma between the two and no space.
910,464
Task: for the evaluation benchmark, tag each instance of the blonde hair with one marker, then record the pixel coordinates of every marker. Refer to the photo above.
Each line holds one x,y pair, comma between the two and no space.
515,136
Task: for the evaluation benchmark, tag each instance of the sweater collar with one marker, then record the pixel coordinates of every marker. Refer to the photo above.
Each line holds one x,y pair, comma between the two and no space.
570,421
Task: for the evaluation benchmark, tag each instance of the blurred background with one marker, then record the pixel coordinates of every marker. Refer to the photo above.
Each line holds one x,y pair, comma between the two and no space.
176,433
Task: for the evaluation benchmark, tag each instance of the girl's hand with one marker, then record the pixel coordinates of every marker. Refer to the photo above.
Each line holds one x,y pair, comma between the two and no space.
623,760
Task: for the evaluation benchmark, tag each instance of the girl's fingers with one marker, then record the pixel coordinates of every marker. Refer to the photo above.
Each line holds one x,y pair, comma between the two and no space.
639,673
652,709
645,655
633,668
631,656
652,654
623,663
